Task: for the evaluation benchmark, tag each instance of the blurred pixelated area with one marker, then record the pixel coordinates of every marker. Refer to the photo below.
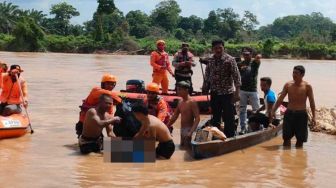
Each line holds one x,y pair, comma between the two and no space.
128,150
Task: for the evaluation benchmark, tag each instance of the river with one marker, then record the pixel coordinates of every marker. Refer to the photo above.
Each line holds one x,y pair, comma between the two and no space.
58,82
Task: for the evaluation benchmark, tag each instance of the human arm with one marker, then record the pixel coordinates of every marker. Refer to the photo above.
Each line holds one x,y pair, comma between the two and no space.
153,59
96,119
162,110
236,79
311,102
196,114
261,108
174,117
280,99
24,92
206,83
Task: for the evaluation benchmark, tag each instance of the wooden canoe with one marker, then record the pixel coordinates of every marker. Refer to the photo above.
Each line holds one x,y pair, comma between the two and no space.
217,147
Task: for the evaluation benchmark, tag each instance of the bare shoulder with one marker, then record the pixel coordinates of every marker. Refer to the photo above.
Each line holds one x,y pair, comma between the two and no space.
92,111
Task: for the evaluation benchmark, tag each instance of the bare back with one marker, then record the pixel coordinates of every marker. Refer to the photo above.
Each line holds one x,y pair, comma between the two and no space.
158,129
91,128
297,95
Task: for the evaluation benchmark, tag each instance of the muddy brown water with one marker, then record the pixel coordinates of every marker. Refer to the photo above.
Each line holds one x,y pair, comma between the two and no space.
58,82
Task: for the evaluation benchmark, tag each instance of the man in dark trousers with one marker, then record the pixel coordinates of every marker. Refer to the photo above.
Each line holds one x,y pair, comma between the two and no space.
222,78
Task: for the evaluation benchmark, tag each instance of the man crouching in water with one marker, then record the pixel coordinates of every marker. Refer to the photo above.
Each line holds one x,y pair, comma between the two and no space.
152,127
96,119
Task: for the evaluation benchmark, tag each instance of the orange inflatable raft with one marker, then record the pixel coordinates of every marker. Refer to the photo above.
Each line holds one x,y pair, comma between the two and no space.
15,125
135,90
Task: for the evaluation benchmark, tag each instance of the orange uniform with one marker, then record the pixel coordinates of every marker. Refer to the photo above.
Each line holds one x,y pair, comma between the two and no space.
160,109
11,92
92,100
160,63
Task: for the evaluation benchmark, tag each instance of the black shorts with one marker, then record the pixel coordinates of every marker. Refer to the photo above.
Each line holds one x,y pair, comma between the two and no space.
165,149
88,145
295,124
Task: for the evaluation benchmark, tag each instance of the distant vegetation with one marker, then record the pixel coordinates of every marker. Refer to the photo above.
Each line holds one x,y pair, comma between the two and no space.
310,36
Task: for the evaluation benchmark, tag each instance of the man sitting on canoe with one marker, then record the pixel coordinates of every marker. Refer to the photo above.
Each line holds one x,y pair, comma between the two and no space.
296,117
108,83
189,111
96,119
152,127
265,119
157,106
14,92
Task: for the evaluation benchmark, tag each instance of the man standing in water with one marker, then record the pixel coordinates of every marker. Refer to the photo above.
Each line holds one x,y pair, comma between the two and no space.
221,73
96,119
296,117
189,111
248,91
152,127
183,61
160,62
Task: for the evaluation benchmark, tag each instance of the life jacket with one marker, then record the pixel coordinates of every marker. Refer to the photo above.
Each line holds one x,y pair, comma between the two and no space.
161,110
158,60
11,92
183,58
92,100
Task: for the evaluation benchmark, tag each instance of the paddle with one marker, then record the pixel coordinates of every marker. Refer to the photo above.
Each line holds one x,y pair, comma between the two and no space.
21,94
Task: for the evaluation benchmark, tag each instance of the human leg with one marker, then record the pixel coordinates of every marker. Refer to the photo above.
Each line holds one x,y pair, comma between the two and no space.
242,110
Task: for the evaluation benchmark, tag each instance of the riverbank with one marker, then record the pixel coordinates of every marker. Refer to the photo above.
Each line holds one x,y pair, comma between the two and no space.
325,121
131,46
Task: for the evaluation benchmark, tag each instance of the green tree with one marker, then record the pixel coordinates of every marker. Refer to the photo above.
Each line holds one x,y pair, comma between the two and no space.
63,13
211,24
28,36
192,22
36,15
139,23
249,21
106,7
9,14
166,15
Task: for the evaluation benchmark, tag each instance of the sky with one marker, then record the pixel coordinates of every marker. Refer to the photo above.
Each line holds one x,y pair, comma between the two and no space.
266,10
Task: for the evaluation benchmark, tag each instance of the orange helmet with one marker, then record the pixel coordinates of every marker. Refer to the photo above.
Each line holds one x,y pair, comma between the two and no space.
160,42
108,78
153,87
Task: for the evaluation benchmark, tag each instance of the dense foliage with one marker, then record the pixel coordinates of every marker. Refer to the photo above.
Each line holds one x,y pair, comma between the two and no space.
296,36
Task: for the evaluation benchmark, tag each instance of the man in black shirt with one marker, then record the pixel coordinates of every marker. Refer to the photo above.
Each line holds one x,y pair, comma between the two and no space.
248,91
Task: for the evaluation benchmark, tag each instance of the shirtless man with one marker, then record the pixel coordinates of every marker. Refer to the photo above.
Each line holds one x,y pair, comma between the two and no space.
296,117
189,111
152,127
96,119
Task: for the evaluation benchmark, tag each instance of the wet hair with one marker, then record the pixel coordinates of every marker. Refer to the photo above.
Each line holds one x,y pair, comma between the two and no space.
217,42
102,97
268,80
247,49
140,107
301,69
12,67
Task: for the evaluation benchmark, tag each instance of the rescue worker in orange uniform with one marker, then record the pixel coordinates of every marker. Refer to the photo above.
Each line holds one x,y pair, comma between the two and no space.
14,92
160,62
157,106
108,83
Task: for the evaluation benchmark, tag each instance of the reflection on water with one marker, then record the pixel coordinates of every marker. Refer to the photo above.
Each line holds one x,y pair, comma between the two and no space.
49,158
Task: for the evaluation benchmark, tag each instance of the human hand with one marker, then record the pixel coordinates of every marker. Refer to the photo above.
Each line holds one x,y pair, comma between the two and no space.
189,134
271,126
236,96
313,122
25,103
116,119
